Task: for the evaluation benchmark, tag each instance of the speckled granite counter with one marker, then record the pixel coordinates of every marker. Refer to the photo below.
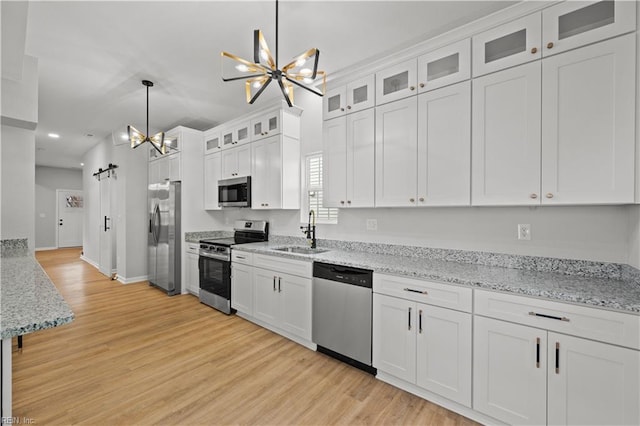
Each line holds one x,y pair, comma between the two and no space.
195,237
587,286
28,301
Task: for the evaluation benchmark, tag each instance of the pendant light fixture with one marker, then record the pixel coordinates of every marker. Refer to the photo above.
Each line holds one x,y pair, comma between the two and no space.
302,71
137,138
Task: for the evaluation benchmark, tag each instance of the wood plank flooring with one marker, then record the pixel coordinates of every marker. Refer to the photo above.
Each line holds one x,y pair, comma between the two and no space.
135,356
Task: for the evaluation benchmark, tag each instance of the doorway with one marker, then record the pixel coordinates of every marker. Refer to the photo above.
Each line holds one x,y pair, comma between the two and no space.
69,209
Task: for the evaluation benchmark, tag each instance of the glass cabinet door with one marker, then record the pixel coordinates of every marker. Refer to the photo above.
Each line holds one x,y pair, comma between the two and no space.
334,103
212,142
265,125
447,65
360,94
508,45
227,137
241,133
396,82
573,24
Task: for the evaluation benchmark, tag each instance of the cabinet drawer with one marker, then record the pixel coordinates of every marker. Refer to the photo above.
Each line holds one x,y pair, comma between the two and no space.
243,257
193,248
592,323
283,264
445,295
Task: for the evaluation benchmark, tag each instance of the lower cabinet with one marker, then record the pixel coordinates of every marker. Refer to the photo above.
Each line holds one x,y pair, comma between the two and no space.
273,291
526,375
422,344
192,273
283,301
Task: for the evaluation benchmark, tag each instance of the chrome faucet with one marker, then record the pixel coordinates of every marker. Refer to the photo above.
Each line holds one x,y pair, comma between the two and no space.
310,230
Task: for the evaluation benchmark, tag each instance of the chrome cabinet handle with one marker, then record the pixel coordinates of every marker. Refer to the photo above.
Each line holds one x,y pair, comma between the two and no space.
535,314
240,257
409,316
415,291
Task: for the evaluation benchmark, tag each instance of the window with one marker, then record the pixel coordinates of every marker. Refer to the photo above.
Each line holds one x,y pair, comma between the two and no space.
313,192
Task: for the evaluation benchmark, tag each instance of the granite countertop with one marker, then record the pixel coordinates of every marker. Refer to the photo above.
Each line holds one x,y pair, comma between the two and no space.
616,294
28,301
195,237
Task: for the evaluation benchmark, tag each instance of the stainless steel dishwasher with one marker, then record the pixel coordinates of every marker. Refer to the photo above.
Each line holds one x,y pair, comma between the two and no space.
342,313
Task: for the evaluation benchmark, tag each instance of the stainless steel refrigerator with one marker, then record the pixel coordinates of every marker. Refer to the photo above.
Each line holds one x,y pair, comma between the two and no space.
164,236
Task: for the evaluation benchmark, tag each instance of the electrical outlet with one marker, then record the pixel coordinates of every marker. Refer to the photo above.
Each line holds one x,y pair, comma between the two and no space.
372,224
524,231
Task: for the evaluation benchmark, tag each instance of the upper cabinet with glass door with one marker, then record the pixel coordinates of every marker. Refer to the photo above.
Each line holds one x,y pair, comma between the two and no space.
396,82
353,97
573,24
265,125
212,141
235,134
511,44
447,65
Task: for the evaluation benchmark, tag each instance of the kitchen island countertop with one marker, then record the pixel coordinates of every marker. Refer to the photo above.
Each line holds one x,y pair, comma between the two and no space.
614,294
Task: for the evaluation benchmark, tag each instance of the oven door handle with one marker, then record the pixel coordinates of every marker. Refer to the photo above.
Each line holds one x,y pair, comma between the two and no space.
224,257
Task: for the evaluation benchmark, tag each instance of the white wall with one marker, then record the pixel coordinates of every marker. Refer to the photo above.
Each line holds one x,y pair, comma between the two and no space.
48,180
18,184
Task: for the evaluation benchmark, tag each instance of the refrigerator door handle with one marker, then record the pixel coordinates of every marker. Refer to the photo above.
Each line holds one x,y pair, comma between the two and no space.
157,223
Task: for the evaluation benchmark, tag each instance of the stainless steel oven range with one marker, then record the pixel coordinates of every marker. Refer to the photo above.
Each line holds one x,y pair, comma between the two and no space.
214,262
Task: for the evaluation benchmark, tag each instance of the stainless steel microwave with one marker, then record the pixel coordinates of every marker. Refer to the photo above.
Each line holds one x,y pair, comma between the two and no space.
235,192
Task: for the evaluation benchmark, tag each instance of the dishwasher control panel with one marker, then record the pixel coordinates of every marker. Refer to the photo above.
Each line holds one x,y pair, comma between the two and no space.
344,274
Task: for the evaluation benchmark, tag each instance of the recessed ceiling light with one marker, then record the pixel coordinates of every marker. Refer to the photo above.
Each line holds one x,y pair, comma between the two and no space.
82,164
89,135
53,135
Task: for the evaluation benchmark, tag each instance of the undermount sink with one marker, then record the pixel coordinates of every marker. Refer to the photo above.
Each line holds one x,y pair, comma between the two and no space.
300,250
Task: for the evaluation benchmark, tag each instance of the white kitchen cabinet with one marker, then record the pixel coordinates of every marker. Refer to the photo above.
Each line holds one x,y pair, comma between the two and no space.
442,67
397,82
527,372
510,370
396,147
242,280
212,174
283,301
275,173
594,383
444,146
349,160
192,273
588,137
420,342
212,141
506,137
236,162
573,24
175,166
265,125
352,97
507,45
394,340
235,134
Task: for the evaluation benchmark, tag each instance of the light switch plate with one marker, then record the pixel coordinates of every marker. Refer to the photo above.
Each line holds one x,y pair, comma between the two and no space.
524,231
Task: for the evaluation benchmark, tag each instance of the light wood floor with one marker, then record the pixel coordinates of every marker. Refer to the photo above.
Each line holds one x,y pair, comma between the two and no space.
135,356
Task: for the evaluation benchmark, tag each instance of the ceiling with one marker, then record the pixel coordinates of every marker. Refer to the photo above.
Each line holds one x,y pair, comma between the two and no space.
93,56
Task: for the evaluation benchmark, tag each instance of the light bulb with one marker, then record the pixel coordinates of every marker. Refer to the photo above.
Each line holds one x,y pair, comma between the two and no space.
242,68
308,80
256,84
300,62
264,55
305,71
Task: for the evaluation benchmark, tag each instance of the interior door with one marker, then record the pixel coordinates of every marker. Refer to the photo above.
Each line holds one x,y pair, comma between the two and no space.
107,232
70,207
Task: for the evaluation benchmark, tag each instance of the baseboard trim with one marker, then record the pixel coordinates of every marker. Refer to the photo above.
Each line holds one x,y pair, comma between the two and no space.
125,280
90,262
46,248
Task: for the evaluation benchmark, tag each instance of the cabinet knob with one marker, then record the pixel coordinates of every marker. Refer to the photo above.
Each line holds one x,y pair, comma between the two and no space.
549,195
412,200
421,199
348,106
412,88
341,202
348,201
550,45
421,85
533,196
534,50
341,109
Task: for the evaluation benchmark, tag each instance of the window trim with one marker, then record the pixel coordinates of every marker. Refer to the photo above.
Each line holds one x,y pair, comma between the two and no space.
304,210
